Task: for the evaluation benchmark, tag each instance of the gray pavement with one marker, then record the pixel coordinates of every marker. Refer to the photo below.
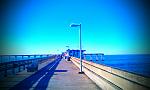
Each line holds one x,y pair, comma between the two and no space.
11,80
66,77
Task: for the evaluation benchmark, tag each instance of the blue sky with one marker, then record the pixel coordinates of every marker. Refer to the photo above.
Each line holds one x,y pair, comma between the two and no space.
108,26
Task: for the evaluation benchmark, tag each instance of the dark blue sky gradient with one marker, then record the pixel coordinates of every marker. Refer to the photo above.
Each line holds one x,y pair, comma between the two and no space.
108,26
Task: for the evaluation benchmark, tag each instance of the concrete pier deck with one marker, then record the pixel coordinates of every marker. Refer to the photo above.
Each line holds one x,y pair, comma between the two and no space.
11,80
64,77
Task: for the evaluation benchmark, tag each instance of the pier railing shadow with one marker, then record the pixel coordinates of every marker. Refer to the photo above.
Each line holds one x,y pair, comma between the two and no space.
11,64
42,84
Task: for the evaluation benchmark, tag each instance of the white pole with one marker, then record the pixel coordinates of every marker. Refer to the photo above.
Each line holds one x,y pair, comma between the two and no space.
80,50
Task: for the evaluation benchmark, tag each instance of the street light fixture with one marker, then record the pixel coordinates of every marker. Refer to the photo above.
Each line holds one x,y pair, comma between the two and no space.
80,44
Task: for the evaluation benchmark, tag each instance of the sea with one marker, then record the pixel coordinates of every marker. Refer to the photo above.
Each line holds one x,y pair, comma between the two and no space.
134,63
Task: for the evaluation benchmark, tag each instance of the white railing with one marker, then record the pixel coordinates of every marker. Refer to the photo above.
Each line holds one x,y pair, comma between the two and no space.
109,78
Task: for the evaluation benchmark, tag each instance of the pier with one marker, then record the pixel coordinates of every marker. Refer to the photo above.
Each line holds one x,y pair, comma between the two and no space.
53,74
56,73
107,44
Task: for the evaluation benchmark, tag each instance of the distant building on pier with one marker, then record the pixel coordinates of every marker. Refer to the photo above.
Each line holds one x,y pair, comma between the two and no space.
75,53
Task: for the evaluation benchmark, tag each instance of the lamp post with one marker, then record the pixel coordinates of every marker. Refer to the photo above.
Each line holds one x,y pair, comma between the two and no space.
80,44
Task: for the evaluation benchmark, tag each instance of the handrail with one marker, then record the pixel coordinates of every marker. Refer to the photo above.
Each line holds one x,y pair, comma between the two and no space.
11,65
7,58
122,79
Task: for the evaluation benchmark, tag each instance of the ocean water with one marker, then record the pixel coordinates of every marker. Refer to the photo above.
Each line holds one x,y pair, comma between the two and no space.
139,64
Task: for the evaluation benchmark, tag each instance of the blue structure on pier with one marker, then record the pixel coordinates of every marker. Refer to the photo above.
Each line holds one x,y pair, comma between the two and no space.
75,53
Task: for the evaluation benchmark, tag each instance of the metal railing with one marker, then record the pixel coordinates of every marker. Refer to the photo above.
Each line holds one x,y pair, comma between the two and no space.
109,78
12,62
94,56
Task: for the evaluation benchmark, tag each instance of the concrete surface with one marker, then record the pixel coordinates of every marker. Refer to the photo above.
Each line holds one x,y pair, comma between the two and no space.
11,80
112,79
66,77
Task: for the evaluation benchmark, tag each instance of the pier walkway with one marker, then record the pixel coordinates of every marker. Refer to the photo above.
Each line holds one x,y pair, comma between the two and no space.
12,80
66,77
53,75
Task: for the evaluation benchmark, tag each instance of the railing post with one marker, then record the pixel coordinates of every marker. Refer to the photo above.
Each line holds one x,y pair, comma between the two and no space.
34,56
9,59
5,72
84,57
13,69
29,56
96,57
15,58
40,58
24,64
1,58
28,60
102,57
90,57
47,56
19,66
